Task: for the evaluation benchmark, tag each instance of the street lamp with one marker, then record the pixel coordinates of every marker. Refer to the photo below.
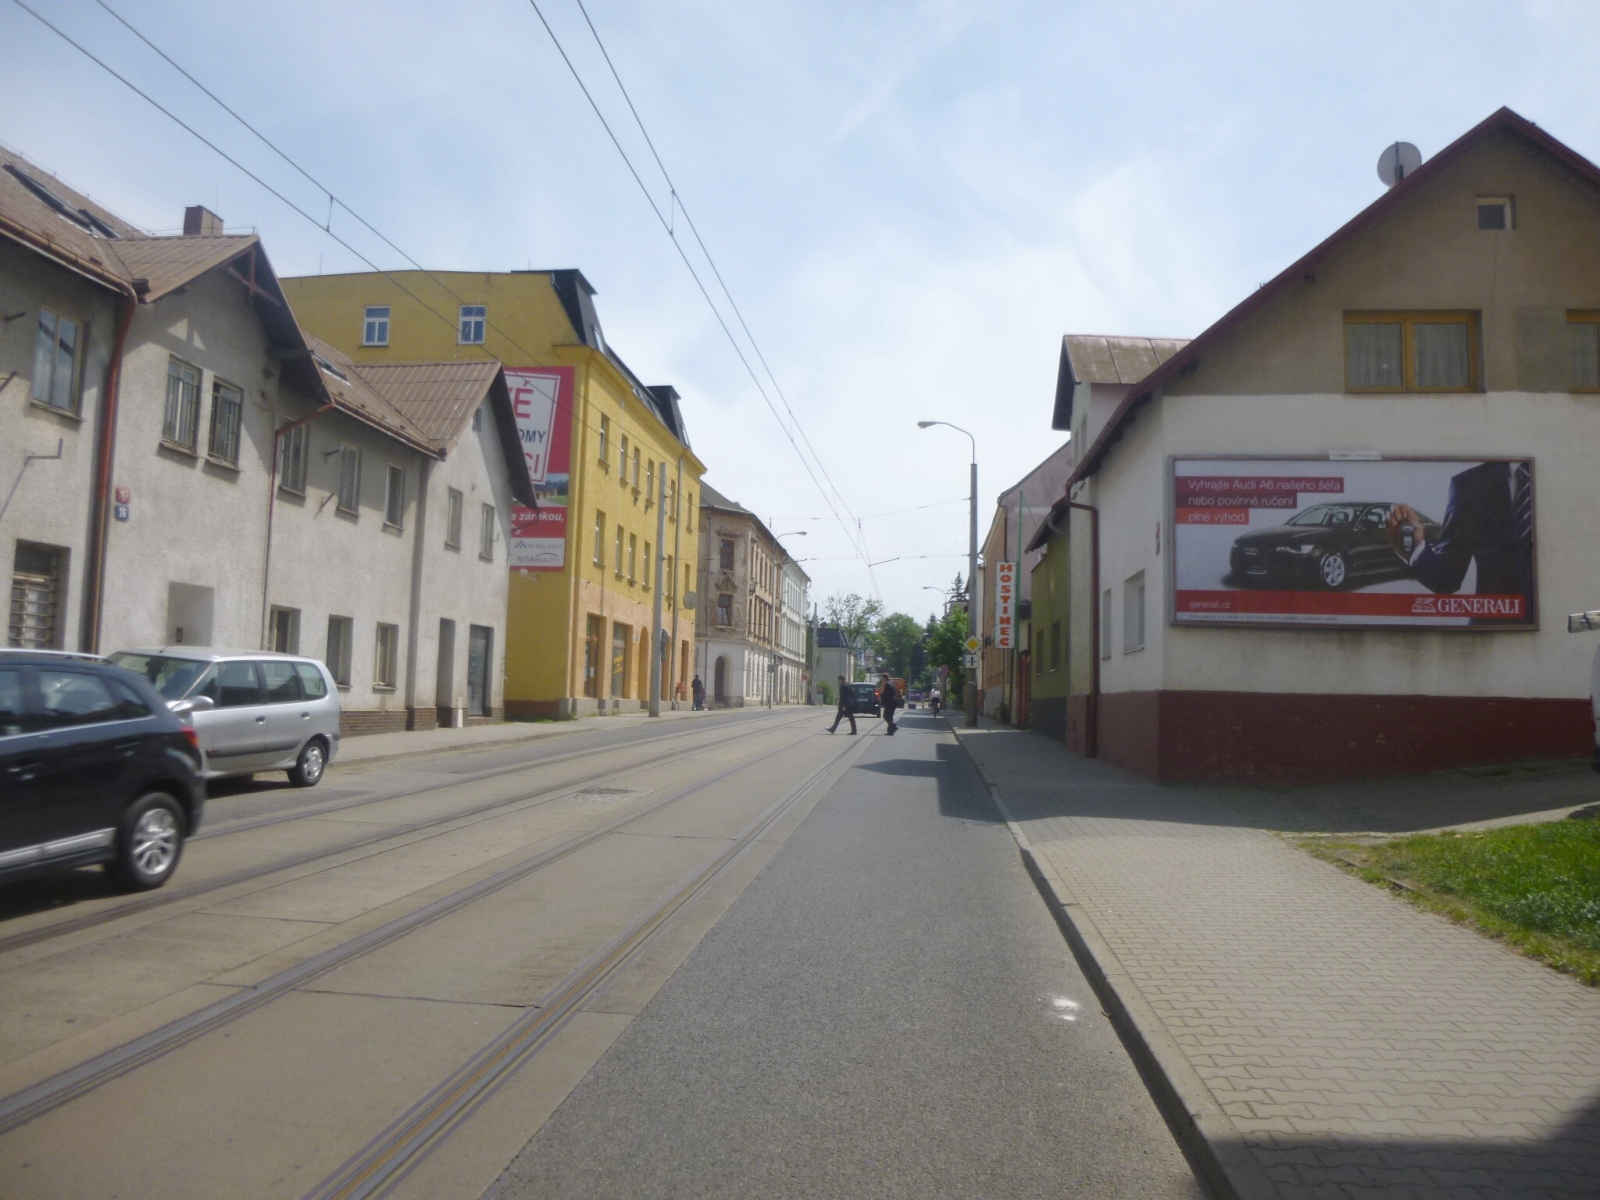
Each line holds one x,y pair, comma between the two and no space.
971,696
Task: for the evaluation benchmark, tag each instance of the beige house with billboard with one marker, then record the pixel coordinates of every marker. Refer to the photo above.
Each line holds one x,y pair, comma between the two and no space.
1336,534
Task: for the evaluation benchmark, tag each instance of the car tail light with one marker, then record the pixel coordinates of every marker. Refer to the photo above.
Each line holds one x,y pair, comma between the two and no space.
192,737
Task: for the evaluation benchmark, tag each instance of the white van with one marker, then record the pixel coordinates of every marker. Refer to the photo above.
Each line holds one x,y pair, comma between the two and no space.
254,711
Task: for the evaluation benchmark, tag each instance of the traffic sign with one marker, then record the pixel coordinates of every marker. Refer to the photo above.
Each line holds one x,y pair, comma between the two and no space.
972,660
973,645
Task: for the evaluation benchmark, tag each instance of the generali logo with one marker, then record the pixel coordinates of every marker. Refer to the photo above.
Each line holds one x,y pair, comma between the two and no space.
1467,606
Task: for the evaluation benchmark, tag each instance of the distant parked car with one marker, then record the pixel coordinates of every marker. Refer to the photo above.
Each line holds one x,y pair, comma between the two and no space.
95,767
1326,546
863,698
254,711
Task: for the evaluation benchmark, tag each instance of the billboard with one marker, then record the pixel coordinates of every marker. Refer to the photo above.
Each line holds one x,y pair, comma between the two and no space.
1005,605
1408,543
541,399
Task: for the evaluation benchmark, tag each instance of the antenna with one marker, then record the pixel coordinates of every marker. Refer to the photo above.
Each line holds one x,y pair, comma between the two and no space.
1398,161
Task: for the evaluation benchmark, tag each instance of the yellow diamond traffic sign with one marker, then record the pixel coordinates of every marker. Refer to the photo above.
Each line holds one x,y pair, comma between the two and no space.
973,645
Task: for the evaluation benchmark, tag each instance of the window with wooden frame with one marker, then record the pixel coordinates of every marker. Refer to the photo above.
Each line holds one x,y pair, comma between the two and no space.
394,498
1411,351
486,534
181,424
294,449
349,480
725,554
1583,336
454,500
599,539
55,361
605,442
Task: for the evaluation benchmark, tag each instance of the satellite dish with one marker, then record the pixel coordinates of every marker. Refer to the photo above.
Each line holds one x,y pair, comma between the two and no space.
1398,161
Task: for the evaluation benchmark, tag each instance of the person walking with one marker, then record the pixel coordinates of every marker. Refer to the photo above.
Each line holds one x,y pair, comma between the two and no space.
844,710
889,697
699,689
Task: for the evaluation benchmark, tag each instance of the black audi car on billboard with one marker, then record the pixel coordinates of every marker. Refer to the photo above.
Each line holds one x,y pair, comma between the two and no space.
1326,546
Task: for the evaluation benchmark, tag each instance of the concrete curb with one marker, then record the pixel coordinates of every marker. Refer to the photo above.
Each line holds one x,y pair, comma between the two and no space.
1209,1138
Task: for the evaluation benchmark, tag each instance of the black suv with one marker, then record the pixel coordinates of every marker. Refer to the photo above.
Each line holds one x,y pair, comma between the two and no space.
94,768
863,699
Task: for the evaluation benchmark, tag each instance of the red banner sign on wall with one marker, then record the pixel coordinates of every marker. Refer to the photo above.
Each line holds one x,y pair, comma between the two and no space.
541,398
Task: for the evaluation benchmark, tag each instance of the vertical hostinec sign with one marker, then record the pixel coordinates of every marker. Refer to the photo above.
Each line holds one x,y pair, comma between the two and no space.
1005,605
541,399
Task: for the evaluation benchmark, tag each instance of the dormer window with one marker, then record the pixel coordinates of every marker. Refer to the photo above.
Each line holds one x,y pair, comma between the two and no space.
1494,213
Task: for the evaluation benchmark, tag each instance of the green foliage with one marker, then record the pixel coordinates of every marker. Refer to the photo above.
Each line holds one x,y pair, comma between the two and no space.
853,613
896,638
826,688
1535,886
945,647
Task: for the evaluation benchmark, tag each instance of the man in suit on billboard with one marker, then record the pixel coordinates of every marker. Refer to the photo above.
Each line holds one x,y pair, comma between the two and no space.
1489,521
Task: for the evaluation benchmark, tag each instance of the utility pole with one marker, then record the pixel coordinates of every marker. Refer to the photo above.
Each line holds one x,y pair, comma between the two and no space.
655,619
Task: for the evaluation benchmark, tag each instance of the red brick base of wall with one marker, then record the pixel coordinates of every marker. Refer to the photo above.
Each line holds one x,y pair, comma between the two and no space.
354,724
1255,737
527,710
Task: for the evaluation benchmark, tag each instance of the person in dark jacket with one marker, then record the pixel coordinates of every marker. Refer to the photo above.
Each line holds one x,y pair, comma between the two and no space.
844,710
889,698
699,693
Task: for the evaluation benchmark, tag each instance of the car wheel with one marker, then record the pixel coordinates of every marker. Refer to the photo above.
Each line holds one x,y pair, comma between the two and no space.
1332,570
308,768
149,843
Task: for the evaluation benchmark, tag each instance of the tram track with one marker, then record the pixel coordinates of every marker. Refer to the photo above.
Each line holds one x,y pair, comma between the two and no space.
51,1093
176,894
386,1160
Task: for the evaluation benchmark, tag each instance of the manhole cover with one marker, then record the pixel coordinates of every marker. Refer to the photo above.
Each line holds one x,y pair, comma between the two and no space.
609,795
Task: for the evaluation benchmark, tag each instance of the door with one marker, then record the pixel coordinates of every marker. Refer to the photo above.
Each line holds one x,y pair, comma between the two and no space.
444,682
289,723
719,680
480,653
90,735
619,660
593,636
234,733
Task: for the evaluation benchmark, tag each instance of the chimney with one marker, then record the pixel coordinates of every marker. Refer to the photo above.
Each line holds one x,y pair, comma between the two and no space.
199,221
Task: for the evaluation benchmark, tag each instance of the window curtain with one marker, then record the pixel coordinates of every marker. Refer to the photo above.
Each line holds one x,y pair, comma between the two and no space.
1442,355
1374,355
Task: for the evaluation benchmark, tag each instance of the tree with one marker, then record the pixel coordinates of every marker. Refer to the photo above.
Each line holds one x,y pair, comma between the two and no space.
854,614
895,639
947,646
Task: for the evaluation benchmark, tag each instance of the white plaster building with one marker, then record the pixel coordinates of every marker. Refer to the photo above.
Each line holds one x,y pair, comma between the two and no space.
224,480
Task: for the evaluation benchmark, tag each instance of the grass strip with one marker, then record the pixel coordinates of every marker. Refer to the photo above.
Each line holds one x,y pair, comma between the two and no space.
1534,887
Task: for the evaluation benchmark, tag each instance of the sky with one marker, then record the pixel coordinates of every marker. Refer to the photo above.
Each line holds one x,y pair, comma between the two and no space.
910,202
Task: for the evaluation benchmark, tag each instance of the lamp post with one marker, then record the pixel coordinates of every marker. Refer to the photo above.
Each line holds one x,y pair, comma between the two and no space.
971,696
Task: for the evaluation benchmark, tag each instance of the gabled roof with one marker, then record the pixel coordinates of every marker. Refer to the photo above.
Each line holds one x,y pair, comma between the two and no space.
1093,358
830,637
160,265
711,498
1503,120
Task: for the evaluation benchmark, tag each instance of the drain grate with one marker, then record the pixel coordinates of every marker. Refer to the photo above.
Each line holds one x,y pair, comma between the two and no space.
609,795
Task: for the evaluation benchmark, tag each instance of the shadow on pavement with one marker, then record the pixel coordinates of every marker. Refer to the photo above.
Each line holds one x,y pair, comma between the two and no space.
962,793
58,889
1080,787
1565,1164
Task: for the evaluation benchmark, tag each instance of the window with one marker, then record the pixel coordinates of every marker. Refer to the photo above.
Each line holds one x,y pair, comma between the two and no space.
232,684
645,572
725,554
282,682
1105,623
14,717
594,634
341,636
55,362
227,408
477,419
636,468
394,497
1583,332
619,549
386,655
375,325
453,501
1411,352
486,534
37,579
688,521
622,473
725,609
633,554
1055,645
473,319
285,626
605,442
620,637
292,463
182,421
73,698
668,576
649,482
312,684
349,479
599,539
1133,613
1495,213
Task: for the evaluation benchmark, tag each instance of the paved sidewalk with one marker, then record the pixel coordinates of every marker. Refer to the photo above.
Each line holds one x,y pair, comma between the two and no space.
372,747
1310,1035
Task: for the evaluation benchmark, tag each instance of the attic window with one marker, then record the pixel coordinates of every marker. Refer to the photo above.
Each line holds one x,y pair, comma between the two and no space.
330,368
80,217
1494,213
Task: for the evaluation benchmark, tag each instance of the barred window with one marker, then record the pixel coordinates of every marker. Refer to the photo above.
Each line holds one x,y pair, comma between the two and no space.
349,479
181,425
292,464
227,410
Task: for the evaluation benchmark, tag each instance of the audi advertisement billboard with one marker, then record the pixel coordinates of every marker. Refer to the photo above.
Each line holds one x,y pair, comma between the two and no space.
1409,543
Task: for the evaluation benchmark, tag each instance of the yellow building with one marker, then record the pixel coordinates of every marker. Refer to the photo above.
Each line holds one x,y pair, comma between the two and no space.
598,443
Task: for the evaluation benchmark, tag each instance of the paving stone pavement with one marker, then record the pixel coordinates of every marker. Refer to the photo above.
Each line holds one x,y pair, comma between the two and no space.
1356,1046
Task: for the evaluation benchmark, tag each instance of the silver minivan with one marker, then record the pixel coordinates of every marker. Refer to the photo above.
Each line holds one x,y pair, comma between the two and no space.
254,711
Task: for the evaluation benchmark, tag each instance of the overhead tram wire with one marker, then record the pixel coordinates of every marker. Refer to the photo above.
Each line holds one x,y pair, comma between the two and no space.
711,262
699,283
532,357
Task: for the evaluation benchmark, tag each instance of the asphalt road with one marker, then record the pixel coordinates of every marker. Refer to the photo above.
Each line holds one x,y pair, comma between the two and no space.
886,1010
